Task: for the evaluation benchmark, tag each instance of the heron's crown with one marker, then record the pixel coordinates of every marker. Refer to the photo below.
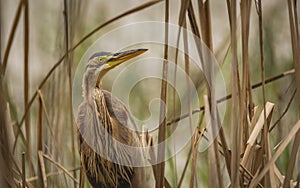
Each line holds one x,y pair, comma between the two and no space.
100,54
114,59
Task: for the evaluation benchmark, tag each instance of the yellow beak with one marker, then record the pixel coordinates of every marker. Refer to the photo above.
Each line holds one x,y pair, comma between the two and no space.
121,57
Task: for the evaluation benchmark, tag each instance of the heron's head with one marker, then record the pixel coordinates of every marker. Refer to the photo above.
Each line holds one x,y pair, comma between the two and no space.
100,63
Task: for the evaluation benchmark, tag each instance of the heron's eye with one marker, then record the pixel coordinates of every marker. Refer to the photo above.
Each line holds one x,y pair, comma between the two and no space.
100,59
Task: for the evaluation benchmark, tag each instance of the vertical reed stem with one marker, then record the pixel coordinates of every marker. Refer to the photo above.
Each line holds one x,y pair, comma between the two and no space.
26,84
66,19
162,119
235,129
23,171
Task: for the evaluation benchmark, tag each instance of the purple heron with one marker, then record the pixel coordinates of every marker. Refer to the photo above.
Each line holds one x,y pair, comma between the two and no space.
103,123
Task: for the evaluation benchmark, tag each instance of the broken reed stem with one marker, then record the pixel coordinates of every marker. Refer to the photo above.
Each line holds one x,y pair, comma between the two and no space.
259,124
294,131
42,176
40,140
40,123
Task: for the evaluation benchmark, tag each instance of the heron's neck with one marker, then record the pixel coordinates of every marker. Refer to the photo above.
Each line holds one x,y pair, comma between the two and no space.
101,106
88,86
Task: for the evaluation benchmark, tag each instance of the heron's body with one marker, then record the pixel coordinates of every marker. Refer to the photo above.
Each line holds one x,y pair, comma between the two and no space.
100,171
105,130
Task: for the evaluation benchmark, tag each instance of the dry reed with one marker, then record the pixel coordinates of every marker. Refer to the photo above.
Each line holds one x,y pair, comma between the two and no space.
243,152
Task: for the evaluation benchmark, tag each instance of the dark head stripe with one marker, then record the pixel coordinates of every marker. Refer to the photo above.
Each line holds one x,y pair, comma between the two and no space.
100,54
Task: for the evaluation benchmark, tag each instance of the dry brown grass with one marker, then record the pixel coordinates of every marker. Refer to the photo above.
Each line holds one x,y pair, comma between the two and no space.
244,154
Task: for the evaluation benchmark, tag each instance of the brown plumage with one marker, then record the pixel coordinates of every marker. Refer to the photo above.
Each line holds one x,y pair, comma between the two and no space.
105,129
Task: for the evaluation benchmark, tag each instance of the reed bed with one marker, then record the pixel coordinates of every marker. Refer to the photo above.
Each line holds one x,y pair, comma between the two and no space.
258,141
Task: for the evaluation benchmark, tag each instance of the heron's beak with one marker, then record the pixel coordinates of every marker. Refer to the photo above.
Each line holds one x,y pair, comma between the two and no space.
121,57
